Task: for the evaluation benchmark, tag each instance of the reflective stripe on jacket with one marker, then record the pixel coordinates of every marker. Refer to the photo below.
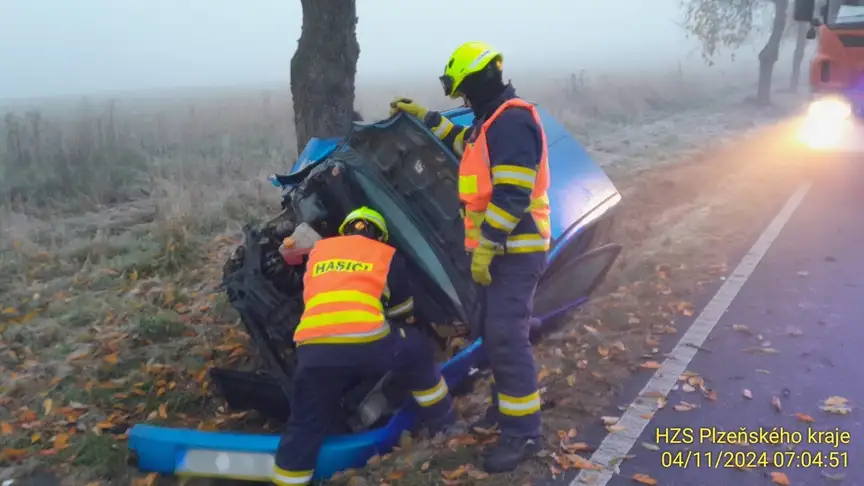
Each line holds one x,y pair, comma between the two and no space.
477,178
343,285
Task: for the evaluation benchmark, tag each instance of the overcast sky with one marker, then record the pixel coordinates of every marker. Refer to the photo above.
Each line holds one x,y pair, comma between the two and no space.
50,47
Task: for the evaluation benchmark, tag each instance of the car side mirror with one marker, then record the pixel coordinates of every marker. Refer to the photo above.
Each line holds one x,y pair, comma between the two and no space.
811,33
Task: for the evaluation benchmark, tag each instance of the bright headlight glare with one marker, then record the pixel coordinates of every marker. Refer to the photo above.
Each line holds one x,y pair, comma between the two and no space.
830,109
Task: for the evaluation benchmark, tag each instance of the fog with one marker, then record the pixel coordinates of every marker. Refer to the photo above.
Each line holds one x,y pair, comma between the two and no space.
56,47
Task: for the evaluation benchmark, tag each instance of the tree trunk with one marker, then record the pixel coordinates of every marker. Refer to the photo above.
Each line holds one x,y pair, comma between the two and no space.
771,52
798,56
323,70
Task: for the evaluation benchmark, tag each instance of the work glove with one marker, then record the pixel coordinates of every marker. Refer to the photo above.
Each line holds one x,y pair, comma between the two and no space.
408,106
481,258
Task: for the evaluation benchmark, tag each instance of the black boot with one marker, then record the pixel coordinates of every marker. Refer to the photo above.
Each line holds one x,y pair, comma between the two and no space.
487,423
509,452
445,426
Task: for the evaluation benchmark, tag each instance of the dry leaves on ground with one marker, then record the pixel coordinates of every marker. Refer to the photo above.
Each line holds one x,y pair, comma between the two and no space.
836,405
780,478
644,479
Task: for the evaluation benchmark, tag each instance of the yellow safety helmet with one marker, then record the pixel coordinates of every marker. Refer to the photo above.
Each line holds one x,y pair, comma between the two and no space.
467,59
368,215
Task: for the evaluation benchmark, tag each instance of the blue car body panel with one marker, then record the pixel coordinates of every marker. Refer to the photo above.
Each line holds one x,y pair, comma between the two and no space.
580,192
579,187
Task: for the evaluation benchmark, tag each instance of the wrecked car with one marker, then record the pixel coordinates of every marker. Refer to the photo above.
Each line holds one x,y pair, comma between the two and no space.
398,167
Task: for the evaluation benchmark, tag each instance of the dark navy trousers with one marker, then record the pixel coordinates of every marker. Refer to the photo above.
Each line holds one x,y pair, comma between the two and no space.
509,304
324,373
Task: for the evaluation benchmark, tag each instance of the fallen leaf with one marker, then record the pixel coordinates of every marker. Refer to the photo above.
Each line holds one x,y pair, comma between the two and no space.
835,400
615,428
454,474
796,332
686,387
477,474
47,405
685,308
762,349
6,428
425,467
607,420
775,402
747,394
741,328
780,478
603,351
650,365
27,416
839,409
12,454
575,446
543,374
61,441
580,462
650,446
804,417
644,479
763,372
685,407
571,380
150,480
163,410
834,477
110,359
395,475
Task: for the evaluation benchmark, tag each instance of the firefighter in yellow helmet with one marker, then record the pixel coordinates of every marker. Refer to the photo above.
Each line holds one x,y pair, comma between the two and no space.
503,180
350,331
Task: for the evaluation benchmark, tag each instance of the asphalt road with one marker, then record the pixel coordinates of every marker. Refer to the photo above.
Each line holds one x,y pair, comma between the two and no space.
802,306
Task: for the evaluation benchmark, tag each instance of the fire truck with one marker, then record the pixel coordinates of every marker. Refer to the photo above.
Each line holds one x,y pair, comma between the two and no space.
836,71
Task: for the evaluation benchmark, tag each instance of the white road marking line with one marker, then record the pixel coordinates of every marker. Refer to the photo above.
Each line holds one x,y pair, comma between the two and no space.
618,444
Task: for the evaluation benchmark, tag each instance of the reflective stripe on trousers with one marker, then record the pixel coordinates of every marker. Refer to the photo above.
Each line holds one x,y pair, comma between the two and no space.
509,305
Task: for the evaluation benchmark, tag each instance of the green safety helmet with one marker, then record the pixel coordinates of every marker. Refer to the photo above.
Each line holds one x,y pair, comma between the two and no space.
362,216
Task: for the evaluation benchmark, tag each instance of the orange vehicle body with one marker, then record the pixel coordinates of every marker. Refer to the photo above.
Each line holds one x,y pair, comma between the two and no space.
838,64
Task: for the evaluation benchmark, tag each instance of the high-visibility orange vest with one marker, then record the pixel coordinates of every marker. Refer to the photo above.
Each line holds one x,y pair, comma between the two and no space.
343,285
475,187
